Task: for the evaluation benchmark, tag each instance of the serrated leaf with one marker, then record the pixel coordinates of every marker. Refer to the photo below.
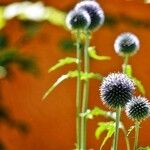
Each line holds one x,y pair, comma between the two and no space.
92,54
72,74
102,126
127,69
130,130
110,132
105,126
62,62
139,85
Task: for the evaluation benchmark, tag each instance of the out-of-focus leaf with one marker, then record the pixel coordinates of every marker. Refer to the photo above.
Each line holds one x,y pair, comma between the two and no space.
3,41
62,62
55,16
127,69
144,148
147,1
26,63
2,19
92,54
72,74
139,85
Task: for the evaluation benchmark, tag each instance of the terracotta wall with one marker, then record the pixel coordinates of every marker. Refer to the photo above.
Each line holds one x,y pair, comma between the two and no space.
52,123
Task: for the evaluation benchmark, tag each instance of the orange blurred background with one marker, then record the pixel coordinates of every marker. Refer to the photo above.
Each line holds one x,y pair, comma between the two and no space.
52,122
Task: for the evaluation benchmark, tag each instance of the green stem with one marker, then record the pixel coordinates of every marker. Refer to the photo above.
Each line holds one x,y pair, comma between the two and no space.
126,138
136,134
78,92
85,93
126,60
118,114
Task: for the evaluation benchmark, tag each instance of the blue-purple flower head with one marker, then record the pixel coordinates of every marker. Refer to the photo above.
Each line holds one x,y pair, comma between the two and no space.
78,19
138,108
95,12
116,90
126,44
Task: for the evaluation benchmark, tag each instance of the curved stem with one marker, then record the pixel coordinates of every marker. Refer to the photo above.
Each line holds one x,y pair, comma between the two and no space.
78,92
126,138
85,93
136,134
118,114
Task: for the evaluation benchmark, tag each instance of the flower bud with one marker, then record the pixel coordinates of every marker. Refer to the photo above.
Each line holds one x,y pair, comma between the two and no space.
95,12
78,19
126,44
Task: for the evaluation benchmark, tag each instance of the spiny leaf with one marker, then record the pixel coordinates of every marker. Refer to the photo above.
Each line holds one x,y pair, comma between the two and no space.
102,126
110,132
127,69
130,130
72,74
139,85
62,62
92,54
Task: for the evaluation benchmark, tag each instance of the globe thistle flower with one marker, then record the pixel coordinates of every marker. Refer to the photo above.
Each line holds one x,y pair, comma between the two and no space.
116,90
126,44
94,10
138,108
78,19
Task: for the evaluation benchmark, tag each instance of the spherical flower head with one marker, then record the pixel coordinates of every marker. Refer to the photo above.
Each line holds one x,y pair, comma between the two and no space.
78,19
138,108
116,90
126,44
95,11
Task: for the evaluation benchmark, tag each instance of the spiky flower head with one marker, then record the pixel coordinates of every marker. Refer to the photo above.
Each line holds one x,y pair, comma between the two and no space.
126,44
138,108
116,90
78,19
94,10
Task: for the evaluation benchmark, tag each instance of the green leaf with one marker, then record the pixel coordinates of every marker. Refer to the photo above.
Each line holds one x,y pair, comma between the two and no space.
72,74
130,130
92,54
109,134
59,80
99,112
96,112
144,148
127,69
105,126
102,126
62,62
139,85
